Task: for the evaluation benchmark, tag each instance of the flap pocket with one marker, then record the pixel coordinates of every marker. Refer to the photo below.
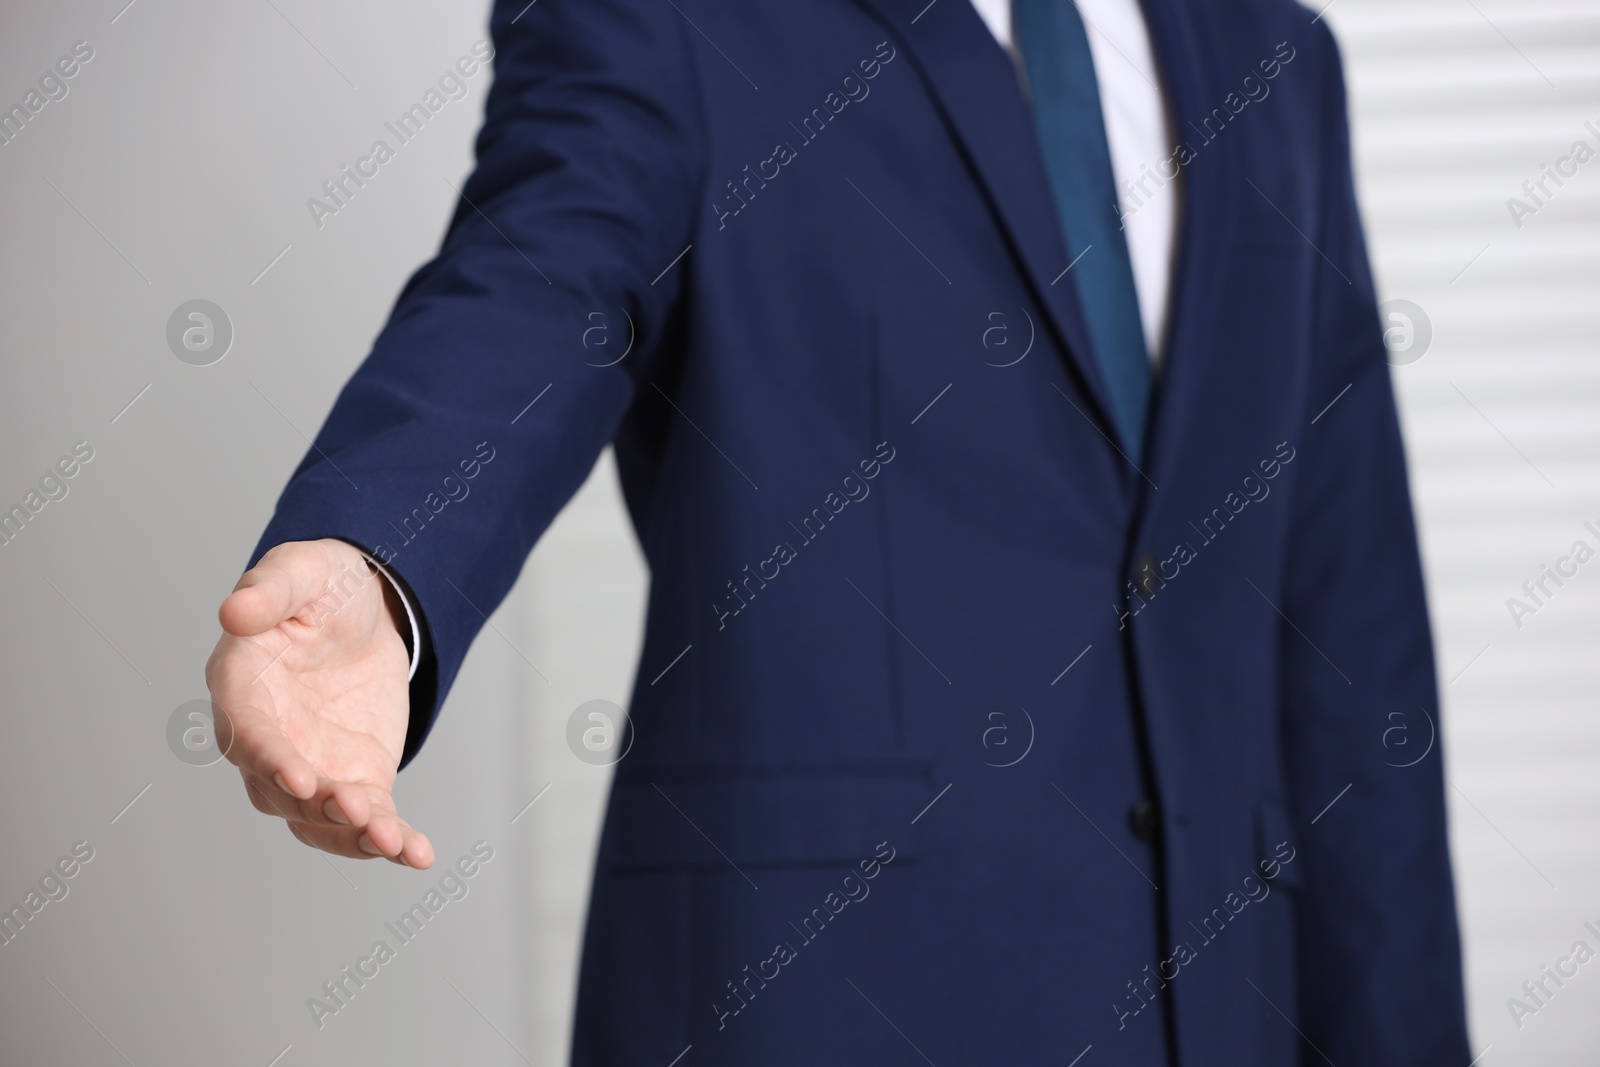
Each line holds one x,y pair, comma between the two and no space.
777,817
1277,855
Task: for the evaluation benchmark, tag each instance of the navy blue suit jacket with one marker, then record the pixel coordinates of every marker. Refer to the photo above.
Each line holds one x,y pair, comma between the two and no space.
977,744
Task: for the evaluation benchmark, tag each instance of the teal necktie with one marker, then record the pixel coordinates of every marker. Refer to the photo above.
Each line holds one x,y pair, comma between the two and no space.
1077,160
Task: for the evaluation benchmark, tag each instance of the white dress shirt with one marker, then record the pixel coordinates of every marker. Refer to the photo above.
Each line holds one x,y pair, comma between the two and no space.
1138,131
1139,134
414,645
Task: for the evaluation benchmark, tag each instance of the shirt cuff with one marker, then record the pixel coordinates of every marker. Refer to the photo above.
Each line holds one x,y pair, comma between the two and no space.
415,644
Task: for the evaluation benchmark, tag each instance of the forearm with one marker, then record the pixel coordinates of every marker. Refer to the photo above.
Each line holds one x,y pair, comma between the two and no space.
474,418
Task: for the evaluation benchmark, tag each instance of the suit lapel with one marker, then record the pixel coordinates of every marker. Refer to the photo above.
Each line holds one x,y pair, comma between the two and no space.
975,86
1179,44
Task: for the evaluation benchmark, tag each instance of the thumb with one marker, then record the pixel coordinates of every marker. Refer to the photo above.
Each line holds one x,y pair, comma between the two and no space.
287,580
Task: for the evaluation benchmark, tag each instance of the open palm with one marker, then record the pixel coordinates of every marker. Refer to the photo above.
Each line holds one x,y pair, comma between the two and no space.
309,682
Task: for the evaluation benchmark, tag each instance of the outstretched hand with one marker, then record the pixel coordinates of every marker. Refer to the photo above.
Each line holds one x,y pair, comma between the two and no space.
309,682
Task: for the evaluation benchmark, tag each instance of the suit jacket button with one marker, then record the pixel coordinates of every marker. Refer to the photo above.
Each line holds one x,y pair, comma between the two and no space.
1145,580
1145,820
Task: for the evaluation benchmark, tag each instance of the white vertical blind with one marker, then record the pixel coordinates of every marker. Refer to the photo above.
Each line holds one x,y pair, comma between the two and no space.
1455,104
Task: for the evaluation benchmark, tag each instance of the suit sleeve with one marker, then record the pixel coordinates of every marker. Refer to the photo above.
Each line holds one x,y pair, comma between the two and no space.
1380,971
476,416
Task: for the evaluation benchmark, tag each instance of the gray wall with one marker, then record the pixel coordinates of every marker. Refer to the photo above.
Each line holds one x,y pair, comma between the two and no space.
177,168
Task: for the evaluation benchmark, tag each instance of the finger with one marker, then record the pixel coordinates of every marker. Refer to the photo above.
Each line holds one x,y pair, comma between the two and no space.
393,838
384,835
415,851
287,580
346,805
382,832
338,842
418,852
333,803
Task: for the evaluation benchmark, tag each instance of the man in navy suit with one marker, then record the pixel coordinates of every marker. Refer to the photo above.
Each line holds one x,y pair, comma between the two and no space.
1035,613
